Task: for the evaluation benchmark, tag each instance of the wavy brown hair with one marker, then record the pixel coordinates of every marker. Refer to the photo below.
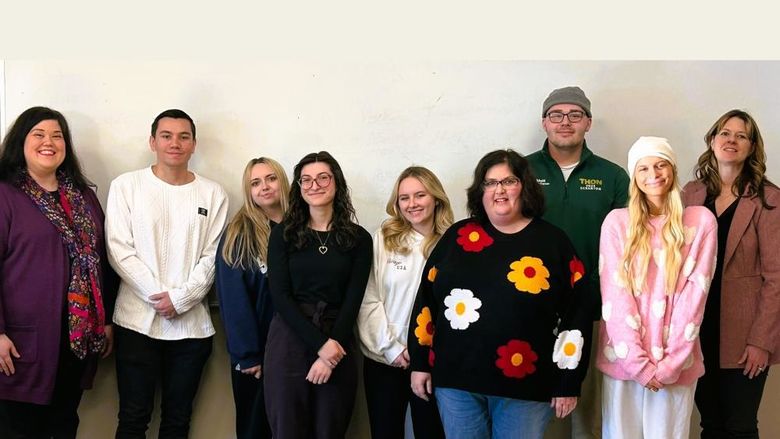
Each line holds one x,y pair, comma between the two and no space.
344,221
751,181
396,229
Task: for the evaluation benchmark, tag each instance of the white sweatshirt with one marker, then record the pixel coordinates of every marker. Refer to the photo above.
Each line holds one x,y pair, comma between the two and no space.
162,237
383,320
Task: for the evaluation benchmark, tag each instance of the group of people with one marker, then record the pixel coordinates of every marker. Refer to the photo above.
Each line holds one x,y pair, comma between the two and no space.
485,327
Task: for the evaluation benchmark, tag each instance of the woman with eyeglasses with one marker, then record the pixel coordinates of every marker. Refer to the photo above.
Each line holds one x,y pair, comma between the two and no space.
319,260
656,264
500,326
242,289
740,334
420,213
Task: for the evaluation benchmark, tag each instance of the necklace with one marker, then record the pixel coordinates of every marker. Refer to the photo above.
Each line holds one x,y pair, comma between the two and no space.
323,248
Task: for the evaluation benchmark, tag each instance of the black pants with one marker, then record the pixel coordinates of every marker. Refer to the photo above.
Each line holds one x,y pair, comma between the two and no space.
248,395
388,391
141,362
728,403
298,409
59,419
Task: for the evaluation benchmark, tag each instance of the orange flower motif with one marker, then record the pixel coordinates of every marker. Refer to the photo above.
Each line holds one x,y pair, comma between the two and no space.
577,269
432,274
424,330
473,238
529,275
516,359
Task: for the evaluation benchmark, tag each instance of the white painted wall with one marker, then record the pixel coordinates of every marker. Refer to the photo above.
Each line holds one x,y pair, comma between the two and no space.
376,118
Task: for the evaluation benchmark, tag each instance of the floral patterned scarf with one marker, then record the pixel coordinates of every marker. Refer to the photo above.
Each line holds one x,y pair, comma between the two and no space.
71,217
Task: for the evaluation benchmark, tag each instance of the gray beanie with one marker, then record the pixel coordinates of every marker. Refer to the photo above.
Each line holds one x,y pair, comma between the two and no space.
567,95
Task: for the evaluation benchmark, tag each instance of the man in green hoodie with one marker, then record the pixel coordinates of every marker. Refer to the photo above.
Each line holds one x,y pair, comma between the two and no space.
580,189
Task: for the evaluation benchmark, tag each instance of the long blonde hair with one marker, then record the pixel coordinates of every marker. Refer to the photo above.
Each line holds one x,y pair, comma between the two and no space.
638,251
246,237
396,229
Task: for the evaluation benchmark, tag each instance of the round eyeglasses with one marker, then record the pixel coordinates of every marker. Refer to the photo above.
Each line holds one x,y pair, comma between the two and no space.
323,180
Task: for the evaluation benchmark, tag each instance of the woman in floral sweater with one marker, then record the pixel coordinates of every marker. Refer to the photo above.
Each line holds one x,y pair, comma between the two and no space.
656,265
495,291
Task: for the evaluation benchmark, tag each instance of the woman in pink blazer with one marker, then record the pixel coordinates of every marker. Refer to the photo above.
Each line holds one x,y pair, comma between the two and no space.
740,332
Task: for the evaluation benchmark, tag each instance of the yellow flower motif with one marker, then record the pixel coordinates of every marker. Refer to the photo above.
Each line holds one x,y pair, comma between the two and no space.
424,330
432,274
529,274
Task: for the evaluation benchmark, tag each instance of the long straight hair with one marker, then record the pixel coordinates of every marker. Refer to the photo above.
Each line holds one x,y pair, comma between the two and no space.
246,237
637,250
397,229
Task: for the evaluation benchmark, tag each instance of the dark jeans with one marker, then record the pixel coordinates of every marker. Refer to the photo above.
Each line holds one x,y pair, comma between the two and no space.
59,419
728,403
251,420
388,391
142,362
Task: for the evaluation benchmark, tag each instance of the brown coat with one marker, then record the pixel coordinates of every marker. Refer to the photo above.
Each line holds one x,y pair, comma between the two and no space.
750,285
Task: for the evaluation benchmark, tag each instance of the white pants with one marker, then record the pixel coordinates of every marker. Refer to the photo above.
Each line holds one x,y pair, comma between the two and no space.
631,411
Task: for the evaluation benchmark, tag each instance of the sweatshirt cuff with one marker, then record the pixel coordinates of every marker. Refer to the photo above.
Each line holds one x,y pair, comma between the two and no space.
393,352
645,374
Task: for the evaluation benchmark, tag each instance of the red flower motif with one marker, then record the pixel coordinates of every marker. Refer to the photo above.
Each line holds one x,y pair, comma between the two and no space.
431,357
516,359
473,238
577,269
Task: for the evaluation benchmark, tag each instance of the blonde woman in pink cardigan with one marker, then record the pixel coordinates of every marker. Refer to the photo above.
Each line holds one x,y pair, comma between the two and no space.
656,263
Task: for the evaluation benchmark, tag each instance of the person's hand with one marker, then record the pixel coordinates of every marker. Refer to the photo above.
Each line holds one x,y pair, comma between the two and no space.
402,360
563,405
422,385
7,350
109,346
654,385
256,371
320,372
163,305
755,359
331,352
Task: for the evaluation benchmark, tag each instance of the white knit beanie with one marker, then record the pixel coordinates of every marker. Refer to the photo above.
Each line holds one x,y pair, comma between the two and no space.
648,146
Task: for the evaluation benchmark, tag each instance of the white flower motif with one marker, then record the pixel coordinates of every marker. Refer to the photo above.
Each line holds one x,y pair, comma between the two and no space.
688,362
659,257
568,349
691,331
688,266
461,308
701,281
658,307
658,352
617,279
609,354
621,350
690,233
606,311
633,321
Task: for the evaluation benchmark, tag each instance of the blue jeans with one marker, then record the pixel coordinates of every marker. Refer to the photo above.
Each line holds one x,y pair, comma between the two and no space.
467,415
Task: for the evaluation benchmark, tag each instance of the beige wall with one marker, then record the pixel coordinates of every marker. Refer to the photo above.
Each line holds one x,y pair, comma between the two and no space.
376,118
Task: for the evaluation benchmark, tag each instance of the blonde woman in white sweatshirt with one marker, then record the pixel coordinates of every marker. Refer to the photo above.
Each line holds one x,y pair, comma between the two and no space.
419,212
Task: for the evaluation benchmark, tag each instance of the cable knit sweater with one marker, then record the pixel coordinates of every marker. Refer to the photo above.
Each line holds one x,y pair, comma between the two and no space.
162,237
655,333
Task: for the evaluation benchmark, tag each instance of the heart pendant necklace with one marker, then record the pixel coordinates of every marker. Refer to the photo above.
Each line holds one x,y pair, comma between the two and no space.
323,248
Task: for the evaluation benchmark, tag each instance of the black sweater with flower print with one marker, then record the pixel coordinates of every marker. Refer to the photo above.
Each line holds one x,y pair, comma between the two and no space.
502,314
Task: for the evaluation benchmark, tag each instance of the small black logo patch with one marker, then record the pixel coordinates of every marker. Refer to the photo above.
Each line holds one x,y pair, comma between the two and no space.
203,211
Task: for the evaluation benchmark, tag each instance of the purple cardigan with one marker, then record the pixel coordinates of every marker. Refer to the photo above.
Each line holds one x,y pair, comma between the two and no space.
34,275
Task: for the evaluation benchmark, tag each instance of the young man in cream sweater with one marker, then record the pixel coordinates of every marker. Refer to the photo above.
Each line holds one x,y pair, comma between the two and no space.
162,228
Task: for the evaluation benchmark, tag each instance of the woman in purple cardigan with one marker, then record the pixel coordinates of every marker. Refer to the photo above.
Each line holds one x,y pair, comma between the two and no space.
56,288
740,333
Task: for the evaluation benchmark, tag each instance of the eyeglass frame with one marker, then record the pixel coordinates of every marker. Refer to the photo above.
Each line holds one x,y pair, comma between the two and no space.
492,184
322,175
563,115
